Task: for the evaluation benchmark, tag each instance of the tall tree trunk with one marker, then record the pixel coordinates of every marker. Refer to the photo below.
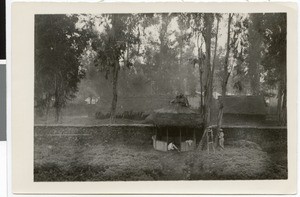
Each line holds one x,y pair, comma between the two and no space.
254,59
225,77
115,92
57,114
115,72
215,53
201,88
200,63
182,86
254,82
48,102
283,108
208,22
57,104
281,101
214,58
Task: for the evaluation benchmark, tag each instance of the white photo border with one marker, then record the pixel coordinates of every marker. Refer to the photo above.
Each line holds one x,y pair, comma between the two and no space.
22,99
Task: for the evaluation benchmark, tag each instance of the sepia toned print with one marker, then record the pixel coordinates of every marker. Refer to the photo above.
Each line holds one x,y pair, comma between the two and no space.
160,96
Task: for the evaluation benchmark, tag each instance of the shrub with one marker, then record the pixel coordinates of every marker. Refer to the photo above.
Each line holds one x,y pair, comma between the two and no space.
124,115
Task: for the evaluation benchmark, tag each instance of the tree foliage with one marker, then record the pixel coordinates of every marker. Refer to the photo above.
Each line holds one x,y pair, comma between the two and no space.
162,53
115,46
58,48
274,59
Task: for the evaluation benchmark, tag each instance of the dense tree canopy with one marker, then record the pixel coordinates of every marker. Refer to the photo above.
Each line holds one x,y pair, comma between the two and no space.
58,48
163,53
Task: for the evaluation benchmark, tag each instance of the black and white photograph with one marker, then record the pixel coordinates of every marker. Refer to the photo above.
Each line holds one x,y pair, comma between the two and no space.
160,96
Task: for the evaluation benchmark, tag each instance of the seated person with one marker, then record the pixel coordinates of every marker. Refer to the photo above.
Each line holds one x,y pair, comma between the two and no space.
172,146
153,137
189,142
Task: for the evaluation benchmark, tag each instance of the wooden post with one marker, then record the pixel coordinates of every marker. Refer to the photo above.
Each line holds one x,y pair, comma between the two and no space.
180,138
155,136
194,137
207,141
167,137
186,132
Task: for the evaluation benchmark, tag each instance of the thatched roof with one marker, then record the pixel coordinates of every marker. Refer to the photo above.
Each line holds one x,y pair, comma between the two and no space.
247,105
175,115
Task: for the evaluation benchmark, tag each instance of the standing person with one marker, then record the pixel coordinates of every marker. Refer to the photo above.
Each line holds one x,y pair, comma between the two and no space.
221,139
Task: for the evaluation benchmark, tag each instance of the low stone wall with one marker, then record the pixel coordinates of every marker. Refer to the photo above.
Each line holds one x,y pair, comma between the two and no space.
141,134
260,135
92,134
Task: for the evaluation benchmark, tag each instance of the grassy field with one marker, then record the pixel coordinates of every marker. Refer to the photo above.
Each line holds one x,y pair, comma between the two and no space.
130,157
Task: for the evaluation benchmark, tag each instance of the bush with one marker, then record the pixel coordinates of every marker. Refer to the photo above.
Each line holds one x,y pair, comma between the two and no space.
100,115
125,115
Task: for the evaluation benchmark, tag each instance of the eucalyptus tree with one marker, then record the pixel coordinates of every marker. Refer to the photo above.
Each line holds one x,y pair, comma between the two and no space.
115,39
255,39
58,48
185,50
226,74
208,20
274,58
197,27
202,25
235,58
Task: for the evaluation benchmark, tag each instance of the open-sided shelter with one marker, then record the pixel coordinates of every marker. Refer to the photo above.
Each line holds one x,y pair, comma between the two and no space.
175,123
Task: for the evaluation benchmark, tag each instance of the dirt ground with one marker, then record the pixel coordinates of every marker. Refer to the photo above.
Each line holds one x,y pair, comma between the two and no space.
114,159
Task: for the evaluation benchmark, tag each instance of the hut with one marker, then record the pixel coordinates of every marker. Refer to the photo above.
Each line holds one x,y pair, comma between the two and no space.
244,110
176,123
